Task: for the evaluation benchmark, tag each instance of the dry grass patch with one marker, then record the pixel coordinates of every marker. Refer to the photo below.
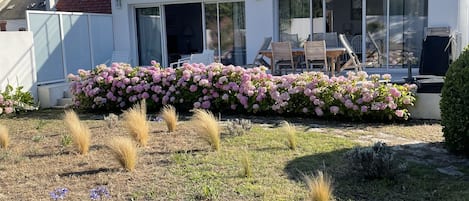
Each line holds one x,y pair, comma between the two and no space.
135,120
207,126
4,137
319,187
168,114
290,130
79,131
125,152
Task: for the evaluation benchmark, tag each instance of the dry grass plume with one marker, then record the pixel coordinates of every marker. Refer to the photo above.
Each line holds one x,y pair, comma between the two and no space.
4,137
79,131
168,114
291,135
207,126
319,187
135,120
246,164
125,152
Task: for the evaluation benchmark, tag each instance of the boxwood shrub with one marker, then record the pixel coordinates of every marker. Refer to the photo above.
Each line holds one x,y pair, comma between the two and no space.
455,105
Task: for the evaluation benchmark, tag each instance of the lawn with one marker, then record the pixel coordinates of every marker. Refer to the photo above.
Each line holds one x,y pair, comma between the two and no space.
182,166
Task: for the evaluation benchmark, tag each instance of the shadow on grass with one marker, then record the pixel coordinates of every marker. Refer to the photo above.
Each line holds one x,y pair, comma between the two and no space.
88,172
308,165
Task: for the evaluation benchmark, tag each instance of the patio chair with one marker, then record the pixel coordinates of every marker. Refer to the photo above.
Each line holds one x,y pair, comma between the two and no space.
329,37
206,57
282,56
356,43
259,58
292,38
315,54
381,56
353,61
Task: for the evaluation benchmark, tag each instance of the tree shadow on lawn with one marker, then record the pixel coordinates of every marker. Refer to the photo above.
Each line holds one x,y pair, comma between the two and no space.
421,180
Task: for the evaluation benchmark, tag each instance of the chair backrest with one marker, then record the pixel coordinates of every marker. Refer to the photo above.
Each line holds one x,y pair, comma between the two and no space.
292,38
206,57
120,57
265,45
315,50
356,43
349,49
281,51
331,39
375,44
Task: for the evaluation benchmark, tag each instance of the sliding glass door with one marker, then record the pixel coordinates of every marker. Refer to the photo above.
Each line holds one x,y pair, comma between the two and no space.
149,35
376,32
225,31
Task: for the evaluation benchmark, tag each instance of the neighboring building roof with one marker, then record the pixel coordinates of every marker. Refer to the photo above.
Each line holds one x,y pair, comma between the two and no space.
16,9
89,6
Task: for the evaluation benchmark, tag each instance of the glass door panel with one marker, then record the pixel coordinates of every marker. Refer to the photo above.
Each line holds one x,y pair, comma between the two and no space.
226,32
149,35
376,33
295,21
408,18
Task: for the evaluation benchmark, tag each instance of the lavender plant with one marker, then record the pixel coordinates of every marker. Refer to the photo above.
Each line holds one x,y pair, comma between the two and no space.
59,193
99,193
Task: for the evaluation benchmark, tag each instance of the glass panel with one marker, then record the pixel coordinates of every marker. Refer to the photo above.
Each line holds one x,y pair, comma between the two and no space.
295,21
149,35
211,29
47,46
103,42
376,33
345,17
408,18
230,48
76,42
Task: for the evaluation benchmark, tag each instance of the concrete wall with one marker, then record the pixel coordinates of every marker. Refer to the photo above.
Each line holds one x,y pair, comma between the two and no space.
17,61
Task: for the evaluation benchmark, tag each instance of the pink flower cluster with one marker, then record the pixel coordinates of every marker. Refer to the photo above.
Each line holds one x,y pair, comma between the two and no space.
252,90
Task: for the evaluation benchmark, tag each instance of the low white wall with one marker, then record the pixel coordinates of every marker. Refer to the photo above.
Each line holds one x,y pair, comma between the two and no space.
426,107
17,60
15,25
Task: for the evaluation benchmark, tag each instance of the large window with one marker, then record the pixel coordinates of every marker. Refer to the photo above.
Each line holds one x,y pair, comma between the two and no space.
149,35
226,32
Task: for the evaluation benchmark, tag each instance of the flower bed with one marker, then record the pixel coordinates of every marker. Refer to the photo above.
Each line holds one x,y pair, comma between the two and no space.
220,88
14,100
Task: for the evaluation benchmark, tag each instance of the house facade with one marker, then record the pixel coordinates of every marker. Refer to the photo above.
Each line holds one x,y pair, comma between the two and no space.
165,30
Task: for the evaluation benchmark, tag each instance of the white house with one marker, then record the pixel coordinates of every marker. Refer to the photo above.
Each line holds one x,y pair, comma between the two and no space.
165,30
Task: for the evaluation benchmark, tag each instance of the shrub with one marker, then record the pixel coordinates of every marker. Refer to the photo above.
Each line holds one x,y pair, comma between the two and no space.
454,105
319,187
291,135
4,137
238,126
125,152
135,119
168,114
111,120
374,162
79,131
15,100
207,126
229,88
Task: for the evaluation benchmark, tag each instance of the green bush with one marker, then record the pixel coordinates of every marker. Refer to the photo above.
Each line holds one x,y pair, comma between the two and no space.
454,105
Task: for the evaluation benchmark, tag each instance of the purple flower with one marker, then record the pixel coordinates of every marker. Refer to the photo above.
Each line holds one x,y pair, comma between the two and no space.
318,111
197,105
59,193
399,113
99,193
334,109
394,92
193,88
206,104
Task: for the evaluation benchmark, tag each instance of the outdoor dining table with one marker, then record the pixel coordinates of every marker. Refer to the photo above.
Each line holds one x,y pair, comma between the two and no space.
332,53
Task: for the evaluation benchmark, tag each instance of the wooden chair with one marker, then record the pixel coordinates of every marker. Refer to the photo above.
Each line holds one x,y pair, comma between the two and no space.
353,61
282,56
315,54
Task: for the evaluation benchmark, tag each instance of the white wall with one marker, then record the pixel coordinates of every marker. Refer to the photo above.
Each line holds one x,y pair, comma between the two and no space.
464,22
259,24
17,61
443,13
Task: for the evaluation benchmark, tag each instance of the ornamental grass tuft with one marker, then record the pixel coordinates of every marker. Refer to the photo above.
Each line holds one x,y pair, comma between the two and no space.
246,164
207,126
291,135
168,114
135,120
79,131
4,137
319,187
125,152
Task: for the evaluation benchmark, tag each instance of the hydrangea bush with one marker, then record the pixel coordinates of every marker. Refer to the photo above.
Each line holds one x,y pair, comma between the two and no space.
253,90
15,100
